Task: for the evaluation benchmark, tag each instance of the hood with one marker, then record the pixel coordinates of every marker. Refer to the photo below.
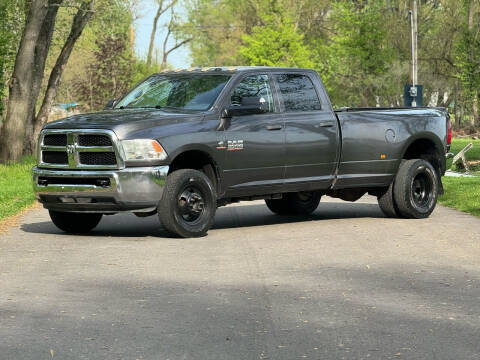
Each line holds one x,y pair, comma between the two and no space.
128,123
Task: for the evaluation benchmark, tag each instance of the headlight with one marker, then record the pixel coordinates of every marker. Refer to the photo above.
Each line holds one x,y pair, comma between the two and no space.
143,149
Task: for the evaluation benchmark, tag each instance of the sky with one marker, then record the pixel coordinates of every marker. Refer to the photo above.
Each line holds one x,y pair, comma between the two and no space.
143,27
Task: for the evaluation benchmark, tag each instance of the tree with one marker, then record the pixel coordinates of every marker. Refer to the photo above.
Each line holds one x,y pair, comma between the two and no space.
217,28
276,44
20,94
10,31
359,54
40,57
28,74
81,18
109,75
171,30
468,58
162,8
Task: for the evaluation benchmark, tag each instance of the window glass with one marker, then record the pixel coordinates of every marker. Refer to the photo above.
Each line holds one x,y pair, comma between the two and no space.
253,89
185,91
298,93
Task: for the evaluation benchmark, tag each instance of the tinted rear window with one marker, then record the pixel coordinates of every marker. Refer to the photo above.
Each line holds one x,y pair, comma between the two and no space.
298,93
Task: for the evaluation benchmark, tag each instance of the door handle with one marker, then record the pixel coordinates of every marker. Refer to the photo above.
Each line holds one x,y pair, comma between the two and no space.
325,124
274,127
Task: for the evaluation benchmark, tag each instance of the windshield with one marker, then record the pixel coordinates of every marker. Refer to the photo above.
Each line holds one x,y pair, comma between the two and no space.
182,91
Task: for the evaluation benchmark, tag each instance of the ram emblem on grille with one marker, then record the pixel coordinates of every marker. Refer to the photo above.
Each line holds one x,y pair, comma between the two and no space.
71,148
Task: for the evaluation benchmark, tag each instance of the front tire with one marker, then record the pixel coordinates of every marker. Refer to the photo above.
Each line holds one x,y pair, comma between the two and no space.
188,203
300,203
76,223
416,189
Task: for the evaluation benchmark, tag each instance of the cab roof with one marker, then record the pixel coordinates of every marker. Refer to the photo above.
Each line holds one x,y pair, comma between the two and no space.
230,69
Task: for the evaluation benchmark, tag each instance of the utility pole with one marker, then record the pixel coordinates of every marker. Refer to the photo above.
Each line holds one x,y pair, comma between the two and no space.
414,33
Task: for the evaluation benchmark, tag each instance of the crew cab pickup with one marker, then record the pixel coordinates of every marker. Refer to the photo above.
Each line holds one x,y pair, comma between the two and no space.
182,143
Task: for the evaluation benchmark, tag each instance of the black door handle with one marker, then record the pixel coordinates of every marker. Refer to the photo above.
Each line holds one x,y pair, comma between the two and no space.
274,127
325,124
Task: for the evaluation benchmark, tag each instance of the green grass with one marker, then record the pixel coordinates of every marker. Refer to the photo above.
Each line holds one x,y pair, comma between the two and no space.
16,187
462,193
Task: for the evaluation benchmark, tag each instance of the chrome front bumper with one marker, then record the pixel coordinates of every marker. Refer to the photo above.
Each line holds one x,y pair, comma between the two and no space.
137,189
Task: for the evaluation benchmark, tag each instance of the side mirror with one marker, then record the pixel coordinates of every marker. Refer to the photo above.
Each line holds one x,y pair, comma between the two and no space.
248,106
110,104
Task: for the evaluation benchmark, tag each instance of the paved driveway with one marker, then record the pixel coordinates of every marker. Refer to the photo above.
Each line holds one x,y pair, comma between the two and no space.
344,283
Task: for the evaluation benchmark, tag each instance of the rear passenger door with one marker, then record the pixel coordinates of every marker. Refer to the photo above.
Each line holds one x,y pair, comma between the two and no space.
311,134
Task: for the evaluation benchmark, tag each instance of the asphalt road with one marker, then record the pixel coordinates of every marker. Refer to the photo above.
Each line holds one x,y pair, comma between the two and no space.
344,283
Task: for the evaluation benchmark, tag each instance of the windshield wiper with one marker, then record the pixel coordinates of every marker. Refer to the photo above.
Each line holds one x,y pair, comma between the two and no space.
150,107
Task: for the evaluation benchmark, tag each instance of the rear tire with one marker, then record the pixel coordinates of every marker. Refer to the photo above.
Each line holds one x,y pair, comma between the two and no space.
416,189
188,203
300,203
76,223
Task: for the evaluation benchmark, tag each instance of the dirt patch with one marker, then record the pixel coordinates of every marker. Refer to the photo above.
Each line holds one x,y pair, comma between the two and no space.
13,220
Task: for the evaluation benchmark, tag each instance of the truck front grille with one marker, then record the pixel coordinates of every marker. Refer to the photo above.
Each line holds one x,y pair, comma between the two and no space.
82,149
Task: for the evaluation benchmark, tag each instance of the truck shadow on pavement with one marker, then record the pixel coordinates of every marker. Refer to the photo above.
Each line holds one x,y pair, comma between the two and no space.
229,217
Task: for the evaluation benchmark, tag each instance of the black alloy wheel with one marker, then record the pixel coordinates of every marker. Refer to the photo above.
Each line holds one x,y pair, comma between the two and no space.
416,189
188,203
191,204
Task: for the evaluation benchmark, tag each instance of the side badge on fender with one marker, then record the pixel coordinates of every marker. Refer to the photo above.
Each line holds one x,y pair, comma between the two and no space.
234,145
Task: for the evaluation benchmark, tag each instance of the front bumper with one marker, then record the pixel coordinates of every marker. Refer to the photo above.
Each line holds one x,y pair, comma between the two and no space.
137,189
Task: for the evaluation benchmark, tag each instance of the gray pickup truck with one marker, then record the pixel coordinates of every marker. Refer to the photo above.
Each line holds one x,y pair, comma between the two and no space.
182,143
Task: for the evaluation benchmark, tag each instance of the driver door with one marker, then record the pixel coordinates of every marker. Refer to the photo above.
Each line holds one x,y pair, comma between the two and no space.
254,143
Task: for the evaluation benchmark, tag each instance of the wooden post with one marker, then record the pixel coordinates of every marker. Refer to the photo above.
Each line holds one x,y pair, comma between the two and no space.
461,156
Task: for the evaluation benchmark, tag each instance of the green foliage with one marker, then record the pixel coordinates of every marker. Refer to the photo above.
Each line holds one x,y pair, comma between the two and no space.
16,187
276,45
11,24
361,48
468,57
110,74
359,54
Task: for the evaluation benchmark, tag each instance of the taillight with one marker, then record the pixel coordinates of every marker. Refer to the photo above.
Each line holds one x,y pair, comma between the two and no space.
449,131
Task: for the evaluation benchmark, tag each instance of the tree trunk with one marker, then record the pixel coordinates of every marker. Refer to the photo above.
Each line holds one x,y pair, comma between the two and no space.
41,52
159,13
476,115
471,13
154,31
20,92
81,19
458,115
165,51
